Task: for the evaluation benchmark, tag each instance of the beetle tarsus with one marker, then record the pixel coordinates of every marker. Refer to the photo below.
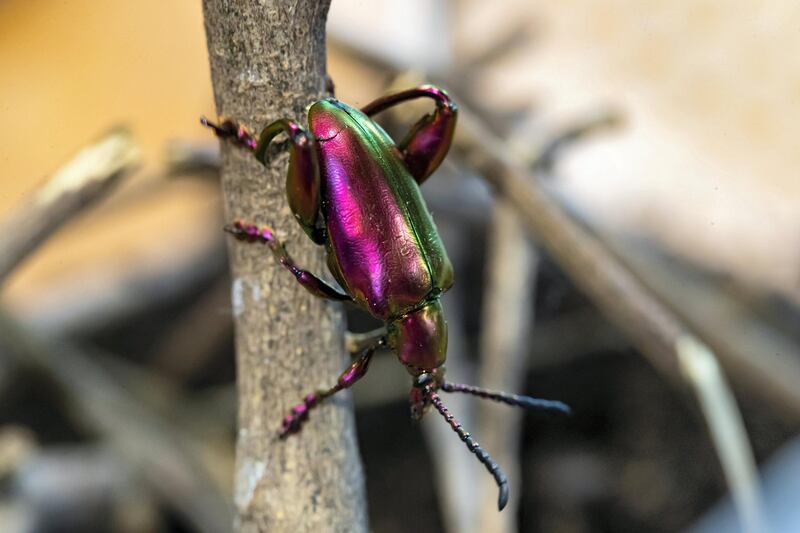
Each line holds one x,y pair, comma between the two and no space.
298,415
228,129
502,498
250,232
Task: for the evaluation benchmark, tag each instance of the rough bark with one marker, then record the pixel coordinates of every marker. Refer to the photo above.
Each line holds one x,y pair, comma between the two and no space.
268,62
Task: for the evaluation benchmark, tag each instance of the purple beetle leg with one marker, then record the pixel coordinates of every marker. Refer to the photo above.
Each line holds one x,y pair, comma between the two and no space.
302,177
228,129
252,233
509,399
299,413
426,144
356,342
483,456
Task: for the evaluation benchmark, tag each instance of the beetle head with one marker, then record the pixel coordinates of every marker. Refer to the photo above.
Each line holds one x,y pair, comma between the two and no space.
418,398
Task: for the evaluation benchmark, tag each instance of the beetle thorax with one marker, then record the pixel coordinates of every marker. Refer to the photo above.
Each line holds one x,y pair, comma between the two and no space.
420,338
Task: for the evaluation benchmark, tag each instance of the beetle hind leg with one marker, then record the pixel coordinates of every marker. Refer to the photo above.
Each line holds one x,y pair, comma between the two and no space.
427,143
264,235
298,415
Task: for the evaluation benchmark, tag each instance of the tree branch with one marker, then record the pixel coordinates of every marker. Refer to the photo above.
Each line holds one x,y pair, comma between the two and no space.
159,452
84,179
511,269
268,62
660,335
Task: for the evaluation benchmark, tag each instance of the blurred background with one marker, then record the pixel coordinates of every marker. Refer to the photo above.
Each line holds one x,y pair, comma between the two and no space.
117,400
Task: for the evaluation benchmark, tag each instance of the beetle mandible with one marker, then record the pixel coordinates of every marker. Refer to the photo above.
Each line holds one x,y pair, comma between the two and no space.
356,192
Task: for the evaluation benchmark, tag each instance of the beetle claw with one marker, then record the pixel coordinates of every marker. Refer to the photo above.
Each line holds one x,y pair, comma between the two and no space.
502,499
220,130
250,232
298,415
292,423
228,129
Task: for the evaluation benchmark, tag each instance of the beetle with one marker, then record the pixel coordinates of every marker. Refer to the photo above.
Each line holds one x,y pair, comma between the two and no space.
357,193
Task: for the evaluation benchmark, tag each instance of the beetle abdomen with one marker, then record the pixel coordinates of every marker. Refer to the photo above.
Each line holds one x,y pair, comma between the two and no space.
381,236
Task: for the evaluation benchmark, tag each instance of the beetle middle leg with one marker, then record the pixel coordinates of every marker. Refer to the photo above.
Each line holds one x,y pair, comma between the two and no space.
356,342
253,233
299,413
426,144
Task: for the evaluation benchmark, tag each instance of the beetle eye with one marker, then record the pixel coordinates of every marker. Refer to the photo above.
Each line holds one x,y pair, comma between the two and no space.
422,380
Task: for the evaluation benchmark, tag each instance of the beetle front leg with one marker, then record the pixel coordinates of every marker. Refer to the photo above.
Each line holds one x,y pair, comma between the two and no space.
426,144
228,129
302,176
252,233
299,413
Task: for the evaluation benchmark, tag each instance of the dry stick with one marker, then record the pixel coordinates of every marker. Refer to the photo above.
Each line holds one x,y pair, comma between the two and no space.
268,62
83,180
156,449
511,269
71,312
183,157
140,438
668,344
763,357
195,336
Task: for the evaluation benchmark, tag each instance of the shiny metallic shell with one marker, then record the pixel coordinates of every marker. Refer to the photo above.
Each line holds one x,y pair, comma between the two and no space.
383,245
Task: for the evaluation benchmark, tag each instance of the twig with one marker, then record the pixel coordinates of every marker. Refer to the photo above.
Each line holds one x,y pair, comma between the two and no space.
761,359
653,327
82,181
192,157
511,269
196,336
80,309
139,436
545,159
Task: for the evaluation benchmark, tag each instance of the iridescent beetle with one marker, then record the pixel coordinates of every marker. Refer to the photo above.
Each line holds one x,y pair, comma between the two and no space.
356,192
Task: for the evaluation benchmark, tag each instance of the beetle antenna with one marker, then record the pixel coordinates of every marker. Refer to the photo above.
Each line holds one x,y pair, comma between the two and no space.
473,446
506,398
